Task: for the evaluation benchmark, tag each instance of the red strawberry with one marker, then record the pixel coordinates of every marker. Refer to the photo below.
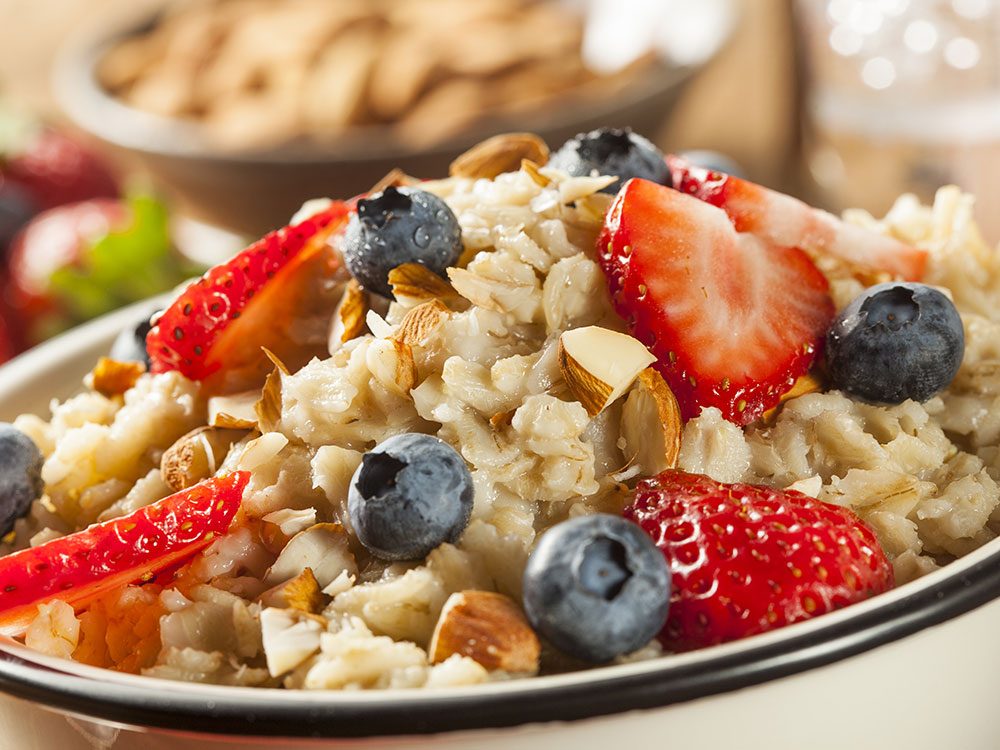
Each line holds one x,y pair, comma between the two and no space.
78,567
733,320
57,170
783,220
215,330
748,559
51,241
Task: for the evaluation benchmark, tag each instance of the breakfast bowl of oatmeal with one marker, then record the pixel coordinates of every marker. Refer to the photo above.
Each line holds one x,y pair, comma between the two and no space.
596,445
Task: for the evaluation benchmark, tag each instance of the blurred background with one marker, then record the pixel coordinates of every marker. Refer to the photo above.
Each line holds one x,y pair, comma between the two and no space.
143,139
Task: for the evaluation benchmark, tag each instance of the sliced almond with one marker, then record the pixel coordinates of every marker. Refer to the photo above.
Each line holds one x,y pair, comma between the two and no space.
395,178
594,207
259,451
234,412
651,425
488,628
807,383
112,378
578,188
267,410
348,320
196,456
301,593
413,284
288,638
276,361
599,365
419,323
531,169
499,154
391,362
290,521
322,548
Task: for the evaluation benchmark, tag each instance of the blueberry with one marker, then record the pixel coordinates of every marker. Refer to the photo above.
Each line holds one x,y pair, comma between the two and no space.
896,341
397,226
16,209
130,345
597,587
20,475
612,151
714,161
410,494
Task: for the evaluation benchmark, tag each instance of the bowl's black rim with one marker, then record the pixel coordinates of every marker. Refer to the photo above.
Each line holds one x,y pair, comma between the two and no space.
799,648
167,706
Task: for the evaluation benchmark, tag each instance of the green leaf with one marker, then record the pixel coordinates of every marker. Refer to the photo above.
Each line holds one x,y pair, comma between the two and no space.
123,266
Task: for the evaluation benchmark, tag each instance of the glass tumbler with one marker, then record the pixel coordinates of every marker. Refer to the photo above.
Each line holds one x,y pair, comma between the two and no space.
902,96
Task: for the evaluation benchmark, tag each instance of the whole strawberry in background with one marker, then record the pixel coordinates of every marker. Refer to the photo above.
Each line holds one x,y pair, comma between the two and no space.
54,168
42,168
74,262
747,559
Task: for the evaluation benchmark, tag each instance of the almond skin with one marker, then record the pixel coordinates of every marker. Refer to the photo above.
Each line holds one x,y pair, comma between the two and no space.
499,154
197,456
488,628
112,378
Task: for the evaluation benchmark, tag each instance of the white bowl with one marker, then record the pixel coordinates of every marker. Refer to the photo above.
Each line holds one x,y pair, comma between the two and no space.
913,668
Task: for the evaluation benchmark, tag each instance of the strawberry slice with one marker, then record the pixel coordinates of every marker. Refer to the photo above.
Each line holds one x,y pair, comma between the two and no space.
78,567
732,319
783,220
215,330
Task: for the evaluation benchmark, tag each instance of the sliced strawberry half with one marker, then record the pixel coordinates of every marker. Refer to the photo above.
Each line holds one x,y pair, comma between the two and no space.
732,319
214,332
78,567
783,220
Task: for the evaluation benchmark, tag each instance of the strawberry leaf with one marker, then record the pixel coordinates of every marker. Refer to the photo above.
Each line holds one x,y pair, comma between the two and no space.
123,266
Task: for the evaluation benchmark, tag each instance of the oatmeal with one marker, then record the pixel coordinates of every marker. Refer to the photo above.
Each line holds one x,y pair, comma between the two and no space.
457,463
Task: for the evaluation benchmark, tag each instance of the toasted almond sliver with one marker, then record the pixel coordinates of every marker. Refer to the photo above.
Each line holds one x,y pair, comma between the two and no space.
349,316
291,521
391,363
395,178
598,365
276,361
301,593
499,154
235,412
413,283
530,168
651,424
289,637
419,323
323,548
578,188
488,628
112,378
268,407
